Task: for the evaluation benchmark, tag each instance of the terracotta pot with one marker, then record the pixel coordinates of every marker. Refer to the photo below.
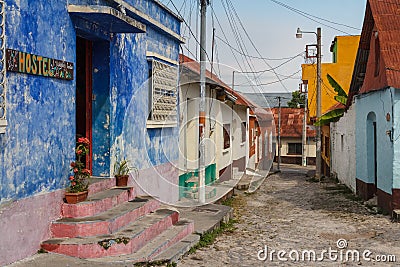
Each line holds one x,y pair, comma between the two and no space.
73,198
122,180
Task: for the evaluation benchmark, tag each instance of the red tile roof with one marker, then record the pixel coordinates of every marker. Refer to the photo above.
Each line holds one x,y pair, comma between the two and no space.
291,122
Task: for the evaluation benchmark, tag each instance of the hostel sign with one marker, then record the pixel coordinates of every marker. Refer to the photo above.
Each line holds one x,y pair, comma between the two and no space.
22,62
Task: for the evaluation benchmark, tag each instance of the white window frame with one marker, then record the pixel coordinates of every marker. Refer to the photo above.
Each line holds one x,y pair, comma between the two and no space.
163,94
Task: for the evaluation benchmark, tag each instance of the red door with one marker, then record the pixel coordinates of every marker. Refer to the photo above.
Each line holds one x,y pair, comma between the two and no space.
84,93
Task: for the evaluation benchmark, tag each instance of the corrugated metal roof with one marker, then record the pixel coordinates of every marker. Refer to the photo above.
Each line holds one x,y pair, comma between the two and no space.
383,17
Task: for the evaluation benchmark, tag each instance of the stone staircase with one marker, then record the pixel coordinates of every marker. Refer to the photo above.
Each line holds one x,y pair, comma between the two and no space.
114,225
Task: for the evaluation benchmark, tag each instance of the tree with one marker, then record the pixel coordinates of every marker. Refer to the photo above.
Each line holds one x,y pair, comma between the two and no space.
297,100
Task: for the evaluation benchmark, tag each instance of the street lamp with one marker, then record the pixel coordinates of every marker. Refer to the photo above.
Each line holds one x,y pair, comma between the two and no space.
299,34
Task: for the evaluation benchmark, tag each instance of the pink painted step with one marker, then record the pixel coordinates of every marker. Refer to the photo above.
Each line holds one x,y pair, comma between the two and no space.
170,237
98,203
156,246
97,185
140,232
107,222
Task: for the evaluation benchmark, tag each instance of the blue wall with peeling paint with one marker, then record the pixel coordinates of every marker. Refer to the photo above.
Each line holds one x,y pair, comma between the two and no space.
39,142
38,145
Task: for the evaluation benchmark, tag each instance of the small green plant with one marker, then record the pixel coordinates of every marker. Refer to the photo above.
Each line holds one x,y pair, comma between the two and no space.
107,243
209,238
40,251
121,168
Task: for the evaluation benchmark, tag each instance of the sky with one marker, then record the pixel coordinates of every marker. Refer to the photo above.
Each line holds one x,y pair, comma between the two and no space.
265,28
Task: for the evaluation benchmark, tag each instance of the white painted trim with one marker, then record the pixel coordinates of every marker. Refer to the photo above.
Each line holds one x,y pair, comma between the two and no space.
158,56
161,124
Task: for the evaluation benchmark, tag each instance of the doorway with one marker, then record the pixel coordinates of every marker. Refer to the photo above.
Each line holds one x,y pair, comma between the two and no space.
84,93
372,162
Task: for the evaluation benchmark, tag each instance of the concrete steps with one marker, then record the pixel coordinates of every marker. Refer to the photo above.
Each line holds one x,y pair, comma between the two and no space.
98,202
125,241
113,222
167,241
107,222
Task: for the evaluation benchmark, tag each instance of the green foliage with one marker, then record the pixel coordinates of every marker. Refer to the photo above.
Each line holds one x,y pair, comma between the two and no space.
121,168
228,201
341,97
338,89
107,243
209,238
330,116
298,100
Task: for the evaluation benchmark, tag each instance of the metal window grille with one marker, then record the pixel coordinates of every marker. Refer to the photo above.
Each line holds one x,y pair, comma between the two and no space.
163,93
3,121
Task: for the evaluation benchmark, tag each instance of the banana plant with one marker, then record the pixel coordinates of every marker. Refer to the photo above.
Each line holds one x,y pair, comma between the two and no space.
333,115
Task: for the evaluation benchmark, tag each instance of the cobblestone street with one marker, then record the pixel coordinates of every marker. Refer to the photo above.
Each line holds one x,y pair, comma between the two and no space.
290,213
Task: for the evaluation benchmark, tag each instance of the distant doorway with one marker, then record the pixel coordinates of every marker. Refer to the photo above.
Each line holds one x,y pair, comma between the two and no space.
84,93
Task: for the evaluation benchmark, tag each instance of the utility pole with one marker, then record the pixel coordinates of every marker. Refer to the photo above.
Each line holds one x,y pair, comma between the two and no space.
304,155
202,106
299,34
212,51
279,133
318,160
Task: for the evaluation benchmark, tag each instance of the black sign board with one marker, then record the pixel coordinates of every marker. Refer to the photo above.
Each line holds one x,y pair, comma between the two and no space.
22,62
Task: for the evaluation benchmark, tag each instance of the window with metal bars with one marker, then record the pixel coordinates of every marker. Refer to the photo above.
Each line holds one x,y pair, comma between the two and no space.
162,92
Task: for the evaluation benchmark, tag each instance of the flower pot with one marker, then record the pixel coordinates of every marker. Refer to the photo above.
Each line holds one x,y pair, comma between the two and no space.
73,198
122,180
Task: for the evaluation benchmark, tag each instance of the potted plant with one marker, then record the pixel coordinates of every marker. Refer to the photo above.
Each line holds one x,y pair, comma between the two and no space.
121,172
78,189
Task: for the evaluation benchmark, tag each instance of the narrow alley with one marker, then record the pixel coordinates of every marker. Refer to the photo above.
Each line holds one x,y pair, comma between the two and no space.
292,213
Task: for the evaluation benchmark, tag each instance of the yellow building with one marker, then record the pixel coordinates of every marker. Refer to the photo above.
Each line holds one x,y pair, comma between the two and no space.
344,51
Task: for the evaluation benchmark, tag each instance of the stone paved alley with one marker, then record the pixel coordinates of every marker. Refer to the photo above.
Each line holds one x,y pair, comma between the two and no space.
290,213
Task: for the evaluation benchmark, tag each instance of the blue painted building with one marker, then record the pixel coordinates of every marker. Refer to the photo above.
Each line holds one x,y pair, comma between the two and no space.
82,68
375,90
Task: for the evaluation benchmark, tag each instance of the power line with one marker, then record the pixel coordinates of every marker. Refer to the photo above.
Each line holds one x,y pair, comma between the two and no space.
254,46
223,32
307,16
256,57
187,25
238,37
287,77
299,11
